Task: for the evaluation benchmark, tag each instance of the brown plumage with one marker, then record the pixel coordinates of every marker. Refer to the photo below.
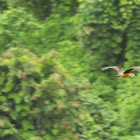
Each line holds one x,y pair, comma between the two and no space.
121,73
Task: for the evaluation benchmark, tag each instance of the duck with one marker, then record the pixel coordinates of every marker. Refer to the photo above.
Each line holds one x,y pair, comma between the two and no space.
121,73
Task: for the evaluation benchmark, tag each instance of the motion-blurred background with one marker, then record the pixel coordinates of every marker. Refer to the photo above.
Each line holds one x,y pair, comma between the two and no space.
51,83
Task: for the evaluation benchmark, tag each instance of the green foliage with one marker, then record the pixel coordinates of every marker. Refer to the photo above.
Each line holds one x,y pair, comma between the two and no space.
129,106
42,9
111,30
42,101
37,98
18,28
51,83
100,118
108,28
100,32
55,30
3,4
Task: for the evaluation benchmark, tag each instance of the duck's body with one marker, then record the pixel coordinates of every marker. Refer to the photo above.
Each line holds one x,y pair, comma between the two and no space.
125,75
121,73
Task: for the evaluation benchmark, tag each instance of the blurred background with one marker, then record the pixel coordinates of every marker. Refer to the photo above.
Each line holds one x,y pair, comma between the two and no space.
51,83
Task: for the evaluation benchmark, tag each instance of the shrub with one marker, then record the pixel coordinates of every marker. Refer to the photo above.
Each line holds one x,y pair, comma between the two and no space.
38,99
18,28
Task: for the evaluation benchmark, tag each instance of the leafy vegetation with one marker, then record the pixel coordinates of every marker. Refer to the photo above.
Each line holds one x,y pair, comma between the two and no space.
51,83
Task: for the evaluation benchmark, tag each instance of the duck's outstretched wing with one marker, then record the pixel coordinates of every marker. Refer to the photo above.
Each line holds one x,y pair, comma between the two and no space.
119,70
134,68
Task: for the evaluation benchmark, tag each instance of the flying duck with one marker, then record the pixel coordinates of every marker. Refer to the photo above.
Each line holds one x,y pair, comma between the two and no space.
121,73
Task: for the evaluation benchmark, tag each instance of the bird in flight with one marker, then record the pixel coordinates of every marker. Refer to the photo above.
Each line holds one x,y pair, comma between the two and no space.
121,73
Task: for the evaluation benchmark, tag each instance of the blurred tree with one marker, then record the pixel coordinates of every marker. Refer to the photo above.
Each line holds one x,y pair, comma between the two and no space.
18,28
42,9
38,98
129,106
3,6
102,32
